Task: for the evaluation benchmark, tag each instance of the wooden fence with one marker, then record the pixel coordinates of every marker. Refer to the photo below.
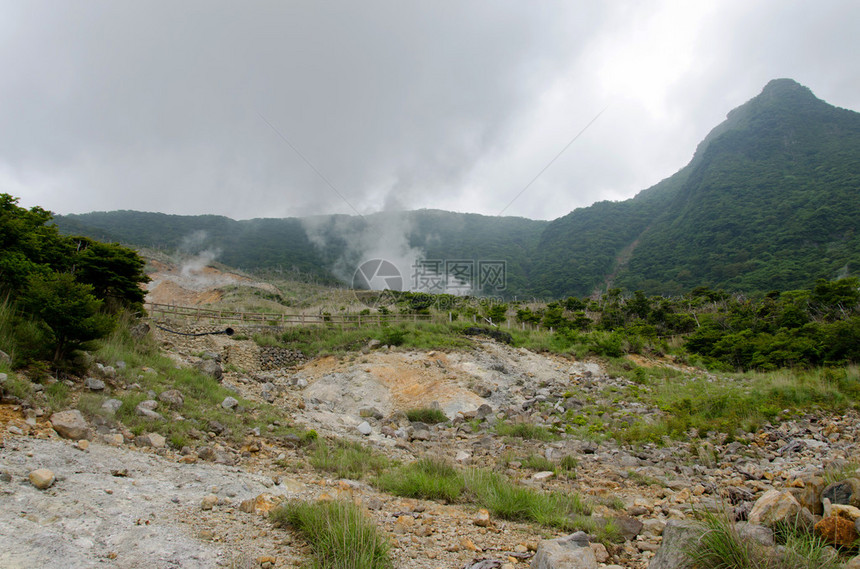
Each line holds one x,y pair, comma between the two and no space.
197,314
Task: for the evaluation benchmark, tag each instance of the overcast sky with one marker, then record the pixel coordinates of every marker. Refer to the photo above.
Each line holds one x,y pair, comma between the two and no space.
287,108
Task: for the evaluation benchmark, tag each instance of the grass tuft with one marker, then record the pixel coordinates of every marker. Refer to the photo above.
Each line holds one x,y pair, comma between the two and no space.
426,478
720,546
346,459
525,431
339,533
427,415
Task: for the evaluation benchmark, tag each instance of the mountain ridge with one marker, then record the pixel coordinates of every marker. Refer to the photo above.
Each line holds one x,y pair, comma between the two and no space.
768,200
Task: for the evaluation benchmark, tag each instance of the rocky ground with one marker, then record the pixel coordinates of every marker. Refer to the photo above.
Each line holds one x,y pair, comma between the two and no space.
123,502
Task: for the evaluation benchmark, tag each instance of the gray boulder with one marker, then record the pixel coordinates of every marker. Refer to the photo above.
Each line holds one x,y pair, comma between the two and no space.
147,409
570,552
210,368
112,406
172,397
71,425
677,538
843,492
94,384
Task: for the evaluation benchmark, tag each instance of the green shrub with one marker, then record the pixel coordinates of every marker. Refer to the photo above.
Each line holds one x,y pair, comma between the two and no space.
427,415
339,533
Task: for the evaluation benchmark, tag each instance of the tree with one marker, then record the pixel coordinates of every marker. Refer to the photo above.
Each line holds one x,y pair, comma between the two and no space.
115,272
68,308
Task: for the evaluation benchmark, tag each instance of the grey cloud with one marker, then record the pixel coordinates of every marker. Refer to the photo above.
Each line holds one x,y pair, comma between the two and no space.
456,105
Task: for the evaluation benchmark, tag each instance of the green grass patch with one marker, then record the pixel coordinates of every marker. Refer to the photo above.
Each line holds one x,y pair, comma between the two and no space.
539,463
725,403
346,459
525,431
426,478
151,371
427,415
568,463
341,536
431,479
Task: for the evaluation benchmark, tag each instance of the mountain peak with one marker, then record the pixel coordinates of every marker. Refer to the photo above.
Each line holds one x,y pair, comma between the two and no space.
786,88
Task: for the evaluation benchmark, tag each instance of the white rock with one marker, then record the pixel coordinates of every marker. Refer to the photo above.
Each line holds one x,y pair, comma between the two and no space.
42,478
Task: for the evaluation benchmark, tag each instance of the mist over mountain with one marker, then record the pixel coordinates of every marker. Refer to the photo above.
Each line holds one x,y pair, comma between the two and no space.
770,200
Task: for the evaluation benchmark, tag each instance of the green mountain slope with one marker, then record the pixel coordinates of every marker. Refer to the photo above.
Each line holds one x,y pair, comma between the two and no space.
328,247
771,201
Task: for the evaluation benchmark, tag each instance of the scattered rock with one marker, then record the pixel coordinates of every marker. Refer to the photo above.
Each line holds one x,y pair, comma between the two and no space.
208,502
370,412
628,526
71,425
41,478
229,402
261,505
153,440
843,511
94,384
570,552
760,534
774,507
482,518
112,406
172,397
364,428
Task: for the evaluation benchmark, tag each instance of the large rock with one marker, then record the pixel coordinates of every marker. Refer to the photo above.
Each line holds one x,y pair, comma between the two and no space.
837,531
71,425
809,495
210,368
629,527
570,552
677,539
775,507
94,384
172,397
147,409
843,492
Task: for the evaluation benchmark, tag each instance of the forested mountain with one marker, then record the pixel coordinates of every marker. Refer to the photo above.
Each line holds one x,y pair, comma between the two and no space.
770,200
327,247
